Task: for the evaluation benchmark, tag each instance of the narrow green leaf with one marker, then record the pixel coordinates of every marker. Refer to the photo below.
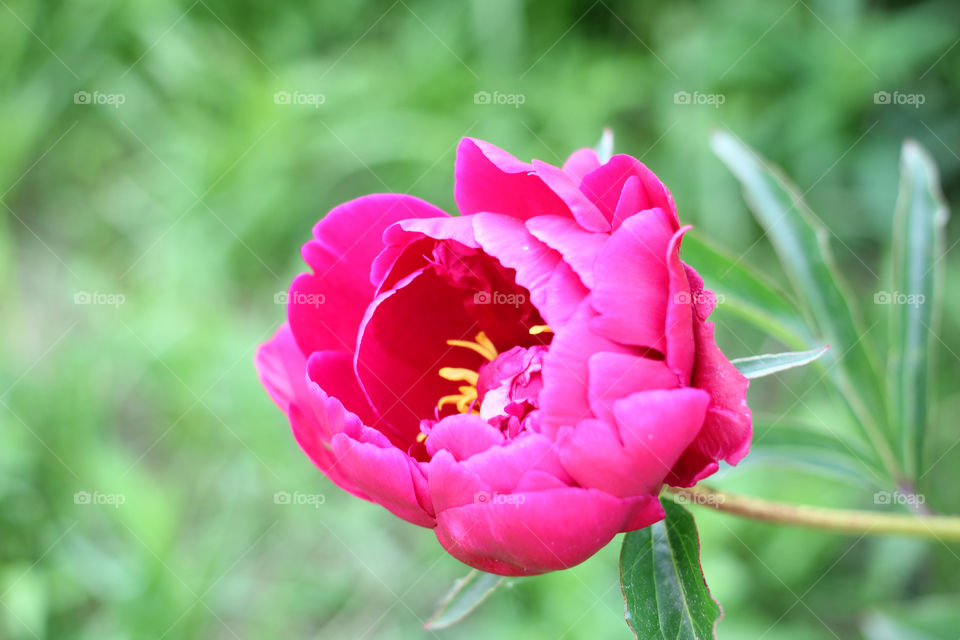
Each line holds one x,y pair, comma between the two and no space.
769,363
818,450
800,240
663,585
604,148
918,241
744,292
465,596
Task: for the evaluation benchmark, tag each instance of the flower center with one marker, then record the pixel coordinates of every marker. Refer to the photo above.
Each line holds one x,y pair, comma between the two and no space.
465,401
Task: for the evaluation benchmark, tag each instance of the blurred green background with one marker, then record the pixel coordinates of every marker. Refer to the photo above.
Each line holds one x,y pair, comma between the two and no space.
179,214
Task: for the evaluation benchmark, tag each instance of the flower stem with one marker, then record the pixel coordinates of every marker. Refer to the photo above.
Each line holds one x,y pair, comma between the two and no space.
945,528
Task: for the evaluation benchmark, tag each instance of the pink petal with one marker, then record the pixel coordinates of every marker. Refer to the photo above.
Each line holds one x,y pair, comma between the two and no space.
727,428
403,345
490,179
580,163
605,185
538,531
408,243
586,213
333,372
463,435
326,306
632,282
386,475
564,400
616,375
679,323
578,247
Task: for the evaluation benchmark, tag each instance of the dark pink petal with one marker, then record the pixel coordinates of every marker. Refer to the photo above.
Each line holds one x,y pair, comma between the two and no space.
632,282
282,369
403,345
605,185
490,179
580,163
463,435
578,247
502,468
679,330
564,185
727,428
508,240
326,306
616,375
565,292
653,428
564,400
409,243
536,532
385,474
333,372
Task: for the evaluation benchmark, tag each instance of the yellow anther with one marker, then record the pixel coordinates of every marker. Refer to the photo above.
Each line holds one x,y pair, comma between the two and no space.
467,397
421,436
481,344
540,328
459,375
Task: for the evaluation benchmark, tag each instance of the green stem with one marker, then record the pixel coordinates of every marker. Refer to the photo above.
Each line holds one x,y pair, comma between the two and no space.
945,528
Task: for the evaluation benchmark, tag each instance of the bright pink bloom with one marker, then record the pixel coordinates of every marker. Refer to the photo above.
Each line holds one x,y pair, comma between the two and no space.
522,378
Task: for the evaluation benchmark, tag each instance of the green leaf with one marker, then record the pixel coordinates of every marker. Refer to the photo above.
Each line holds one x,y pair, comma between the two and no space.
816,449
663,585
465,596
770,363
800,240
604,148
918,241
745,293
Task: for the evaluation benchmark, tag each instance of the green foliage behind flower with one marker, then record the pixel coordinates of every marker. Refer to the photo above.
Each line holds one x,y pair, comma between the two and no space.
158,160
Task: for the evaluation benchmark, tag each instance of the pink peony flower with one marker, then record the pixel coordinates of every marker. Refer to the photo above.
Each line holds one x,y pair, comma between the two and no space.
522,378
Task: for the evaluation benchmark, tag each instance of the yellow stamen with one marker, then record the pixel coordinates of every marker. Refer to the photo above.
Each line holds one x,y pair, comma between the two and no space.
467,397
421,436
540,328
481,345
456,374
